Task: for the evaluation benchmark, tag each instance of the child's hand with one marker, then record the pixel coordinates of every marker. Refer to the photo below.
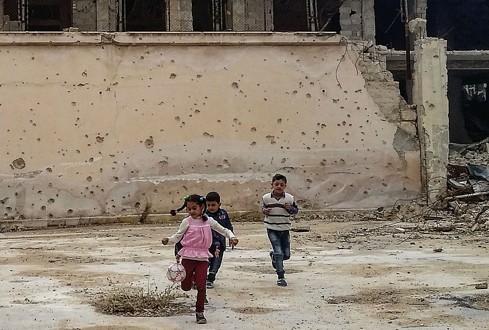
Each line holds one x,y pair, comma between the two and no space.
217,252
233,241
178,257
164,241
287,206
266,211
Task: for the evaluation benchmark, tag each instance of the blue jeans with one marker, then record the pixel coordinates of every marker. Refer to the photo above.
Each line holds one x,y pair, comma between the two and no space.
214,265
280,241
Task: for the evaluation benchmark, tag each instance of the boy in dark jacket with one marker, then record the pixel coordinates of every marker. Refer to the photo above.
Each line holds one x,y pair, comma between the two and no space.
218,247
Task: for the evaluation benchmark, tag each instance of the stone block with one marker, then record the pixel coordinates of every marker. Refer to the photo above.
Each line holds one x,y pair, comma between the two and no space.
409,127
408,115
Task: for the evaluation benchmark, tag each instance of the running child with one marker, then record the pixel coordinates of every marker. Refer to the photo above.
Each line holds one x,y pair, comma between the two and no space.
195,236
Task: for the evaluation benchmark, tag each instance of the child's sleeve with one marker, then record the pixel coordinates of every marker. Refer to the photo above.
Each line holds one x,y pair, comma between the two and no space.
294,209
220,229
175,238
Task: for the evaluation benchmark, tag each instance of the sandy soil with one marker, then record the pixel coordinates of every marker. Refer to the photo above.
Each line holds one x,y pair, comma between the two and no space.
342,275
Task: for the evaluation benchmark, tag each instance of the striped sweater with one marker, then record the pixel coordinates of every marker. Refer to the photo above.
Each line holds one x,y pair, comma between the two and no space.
279,217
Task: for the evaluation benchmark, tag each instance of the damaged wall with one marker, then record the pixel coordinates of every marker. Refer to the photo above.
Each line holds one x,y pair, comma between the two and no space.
104,123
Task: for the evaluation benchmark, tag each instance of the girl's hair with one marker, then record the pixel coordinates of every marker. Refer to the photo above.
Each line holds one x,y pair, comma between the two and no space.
200,200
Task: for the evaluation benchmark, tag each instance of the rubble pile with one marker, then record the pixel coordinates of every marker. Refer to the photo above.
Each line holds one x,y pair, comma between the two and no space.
464,207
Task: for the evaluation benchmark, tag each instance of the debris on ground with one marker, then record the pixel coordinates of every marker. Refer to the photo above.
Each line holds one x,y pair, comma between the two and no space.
136,302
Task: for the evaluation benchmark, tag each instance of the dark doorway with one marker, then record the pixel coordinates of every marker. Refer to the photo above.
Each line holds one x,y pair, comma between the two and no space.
144,15
290,15
464,24
475,106
202,15
389,27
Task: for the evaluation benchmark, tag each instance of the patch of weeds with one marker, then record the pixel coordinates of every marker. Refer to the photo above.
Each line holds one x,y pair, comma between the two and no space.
132,302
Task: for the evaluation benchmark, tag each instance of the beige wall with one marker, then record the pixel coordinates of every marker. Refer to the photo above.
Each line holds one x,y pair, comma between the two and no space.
102,123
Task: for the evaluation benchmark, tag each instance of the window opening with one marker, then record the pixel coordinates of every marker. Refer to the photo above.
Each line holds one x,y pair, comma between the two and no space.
389,28
475,108
142,15
463,23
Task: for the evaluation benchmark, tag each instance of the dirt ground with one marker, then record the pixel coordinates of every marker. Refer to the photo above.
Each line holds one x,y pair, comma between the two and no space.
342,275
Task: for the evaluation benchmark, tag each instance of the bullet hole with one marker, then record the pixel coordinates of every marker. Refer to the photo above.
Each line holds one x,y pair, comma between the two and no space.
303,133
365,192
336,100
235,85
149,142
196,111
177,118
253,129
99,139
73,104
207,135
43,208
18,163
89,179
283,160
308,95
84,73
323,162
343,123
317,132
8,209
294,92
70,211
116,178
253,143
279,121
352,12
38,139
173,76
209,151
50,201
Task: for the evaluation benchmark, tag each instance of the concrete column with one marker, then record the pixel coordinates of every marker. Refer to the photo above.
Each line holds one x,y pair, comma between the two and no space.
420,8
430,81
368,20
1,16
85,15
258,15
239,15
180,15
106,15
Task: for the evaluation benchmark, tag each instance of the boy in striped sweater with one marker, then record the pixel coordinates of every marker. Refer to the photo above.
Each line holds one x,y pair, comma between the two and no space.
277,207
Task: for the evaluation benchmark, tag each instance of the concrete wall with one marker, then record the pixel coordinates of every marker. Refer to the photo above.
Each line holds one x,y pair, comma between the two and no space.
104,123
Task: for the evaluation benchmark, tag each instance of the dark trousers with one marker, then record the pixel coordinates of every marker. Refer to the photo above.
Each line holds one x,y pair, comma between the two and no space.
196,272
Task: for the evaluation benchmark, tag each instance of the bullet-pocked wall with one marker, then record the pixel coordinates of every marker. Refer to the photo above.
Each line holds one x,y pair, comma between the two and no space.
98,124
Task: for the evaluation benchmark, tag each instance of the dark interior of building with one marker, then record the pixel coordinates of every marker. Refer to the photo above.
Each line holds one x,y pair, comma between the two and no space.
144,15
463,23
